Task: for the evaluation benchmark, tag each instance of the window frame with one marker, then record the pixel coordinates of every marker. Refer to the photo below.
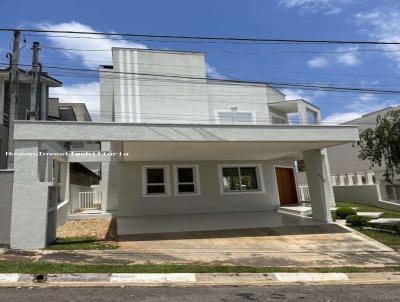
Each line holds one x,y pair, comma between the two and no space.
259,174
252,112
166,181
196,180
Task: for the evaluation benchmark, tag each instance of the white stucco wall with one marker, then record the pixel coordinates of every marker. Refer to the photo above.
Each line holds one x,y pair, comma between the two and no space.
132,203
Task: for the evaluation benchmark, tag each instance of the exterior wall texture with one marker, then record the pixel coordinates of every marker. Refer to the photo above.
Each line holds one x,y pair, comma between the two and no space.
362,194
133,204
132,94
6,187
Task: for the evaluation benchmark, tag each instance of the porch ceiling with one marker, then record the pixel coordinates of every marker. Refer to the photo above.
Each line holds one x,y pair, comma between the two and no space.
181,151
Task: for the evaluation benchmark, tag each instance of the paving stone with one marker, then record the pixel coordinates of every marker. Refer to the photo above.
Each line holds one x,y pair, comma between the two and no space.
386,220
370,214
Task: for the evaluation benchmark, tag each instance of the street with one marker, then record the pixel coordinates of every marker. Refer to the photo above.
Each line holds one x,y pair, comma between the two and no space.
226,293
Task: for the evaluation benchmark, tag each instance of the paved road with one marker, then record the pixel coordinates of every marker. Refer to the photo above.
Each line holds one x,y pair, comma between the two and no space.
193,294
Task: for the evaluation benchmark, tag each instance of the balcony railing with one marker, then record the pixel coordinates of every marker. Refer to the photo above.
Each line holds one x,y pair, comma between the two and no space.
353,179
304,193
90,200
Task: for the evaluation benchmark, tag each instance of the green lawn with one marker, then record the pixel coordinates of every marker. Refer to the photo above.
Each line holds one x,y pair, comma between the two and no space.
387,238
44,268
367,208
82,243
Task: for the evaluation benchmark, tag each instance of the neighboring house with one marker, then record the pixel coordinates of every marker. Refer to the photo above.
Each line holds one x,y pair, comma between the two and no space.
353,178
22,111
181,152
24,102
53,169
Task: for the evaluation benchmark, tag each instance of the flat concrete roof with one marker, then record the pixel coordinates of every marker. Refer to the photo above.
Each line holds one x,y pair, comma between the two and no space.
146,132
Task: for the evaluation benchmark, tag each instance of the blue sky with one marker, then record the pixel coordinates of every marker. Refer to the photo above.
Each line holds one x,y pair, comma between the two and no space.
297,19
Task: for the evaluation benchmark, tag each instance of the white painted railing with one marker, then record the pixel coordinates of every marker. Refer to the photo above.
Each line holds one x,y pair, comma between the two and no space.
353,179
304,193
90,200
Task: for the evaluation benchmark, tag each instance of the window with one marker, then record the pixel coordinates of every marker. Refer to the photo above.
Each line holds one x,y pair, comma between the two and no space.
301,167
186,180
241,178
235,117
155,180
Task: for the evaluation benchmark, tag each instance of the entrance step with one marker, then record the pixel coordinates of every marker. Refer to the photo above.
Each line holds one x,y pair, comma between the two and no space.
296,210
85,215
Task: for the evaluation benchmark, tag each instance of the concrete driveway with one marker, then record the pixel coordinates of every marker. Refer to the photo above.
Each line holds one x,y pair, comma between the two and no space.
318,245
293,246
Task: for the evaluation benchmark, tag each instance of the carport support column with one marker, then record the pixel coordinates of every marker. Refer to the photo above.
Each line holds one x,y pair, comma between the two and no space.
318,185
29,202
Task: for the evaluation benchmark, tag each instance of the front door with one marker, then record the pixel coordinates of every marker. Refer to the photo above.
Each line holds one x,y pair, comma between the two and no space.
286,186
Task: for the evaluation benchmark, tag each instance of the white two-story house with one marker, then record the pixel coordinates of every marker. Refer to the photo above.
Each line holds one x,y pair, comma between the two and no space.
184,153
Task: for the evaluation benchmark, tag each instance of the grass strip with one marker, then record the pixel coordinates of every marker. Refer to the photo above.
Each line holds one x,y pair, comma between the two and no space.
46,267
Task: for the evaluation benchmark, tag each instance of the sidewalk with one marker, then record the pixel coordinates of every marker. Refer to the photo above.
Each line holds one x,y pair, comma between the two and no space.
191,279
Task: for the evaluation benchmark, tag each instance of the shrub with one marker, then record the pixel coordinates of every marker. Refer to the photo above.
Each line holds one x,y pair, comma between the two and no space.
355,220
343,212
397,228
333,213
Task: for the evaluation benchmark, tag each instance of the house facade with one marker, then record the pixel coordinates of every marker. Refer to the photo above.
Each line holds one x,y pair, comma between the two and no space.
183,153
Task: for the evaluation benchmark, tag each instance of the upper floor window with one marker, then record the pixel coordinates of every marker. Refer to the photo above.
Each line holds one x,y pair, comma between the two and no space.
235,117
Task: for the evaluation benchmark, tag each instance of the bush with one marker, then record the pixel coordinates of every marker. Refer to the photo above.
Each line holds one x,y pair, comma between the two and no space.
355,220
397,228
333,213
343,212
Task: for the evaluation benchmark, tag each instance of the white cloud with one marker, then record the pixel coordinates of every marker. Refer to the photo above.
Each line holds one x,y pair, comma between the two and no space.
294,94
318,62
75,47
383,25
346,56
349,56
328,7
363,104
87,93
212,72
339,118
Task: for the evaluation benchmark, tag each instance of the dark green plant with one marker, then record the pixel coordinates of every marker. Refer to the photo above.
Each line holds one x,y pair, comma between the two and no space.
355,220
397,228
381,146
343,212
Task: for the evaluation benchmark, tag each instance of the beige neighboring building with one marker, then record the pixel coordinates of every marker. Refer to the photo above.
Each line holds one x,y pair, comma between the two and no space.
353,179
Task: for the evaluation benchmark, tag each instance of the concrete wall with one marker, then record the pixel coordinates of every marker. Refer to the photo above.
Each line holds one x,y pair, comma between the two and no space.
361,193
133,204
142,98
365,194
62,213
6,186
3,146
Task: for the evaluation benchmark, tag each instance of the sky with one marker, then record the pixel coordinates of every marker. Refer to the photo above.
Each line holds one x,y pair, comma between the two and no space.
376,67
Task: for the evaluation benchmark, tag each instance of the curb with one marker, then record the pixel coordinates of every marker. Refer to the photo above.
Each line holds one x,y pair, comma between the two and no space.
193,279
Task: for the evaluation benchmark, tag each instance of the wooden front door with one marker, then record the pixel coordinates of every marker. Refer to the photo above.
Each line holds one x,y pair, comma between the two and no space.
286,186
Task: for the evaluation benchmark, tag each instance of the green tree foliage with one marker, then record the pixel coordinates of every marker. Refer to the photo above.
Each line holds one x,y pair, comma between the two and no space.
381,146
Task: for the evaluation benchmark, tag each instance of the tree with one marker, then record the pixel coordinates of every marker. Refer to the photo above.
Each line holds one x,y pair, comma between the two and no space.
381,146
